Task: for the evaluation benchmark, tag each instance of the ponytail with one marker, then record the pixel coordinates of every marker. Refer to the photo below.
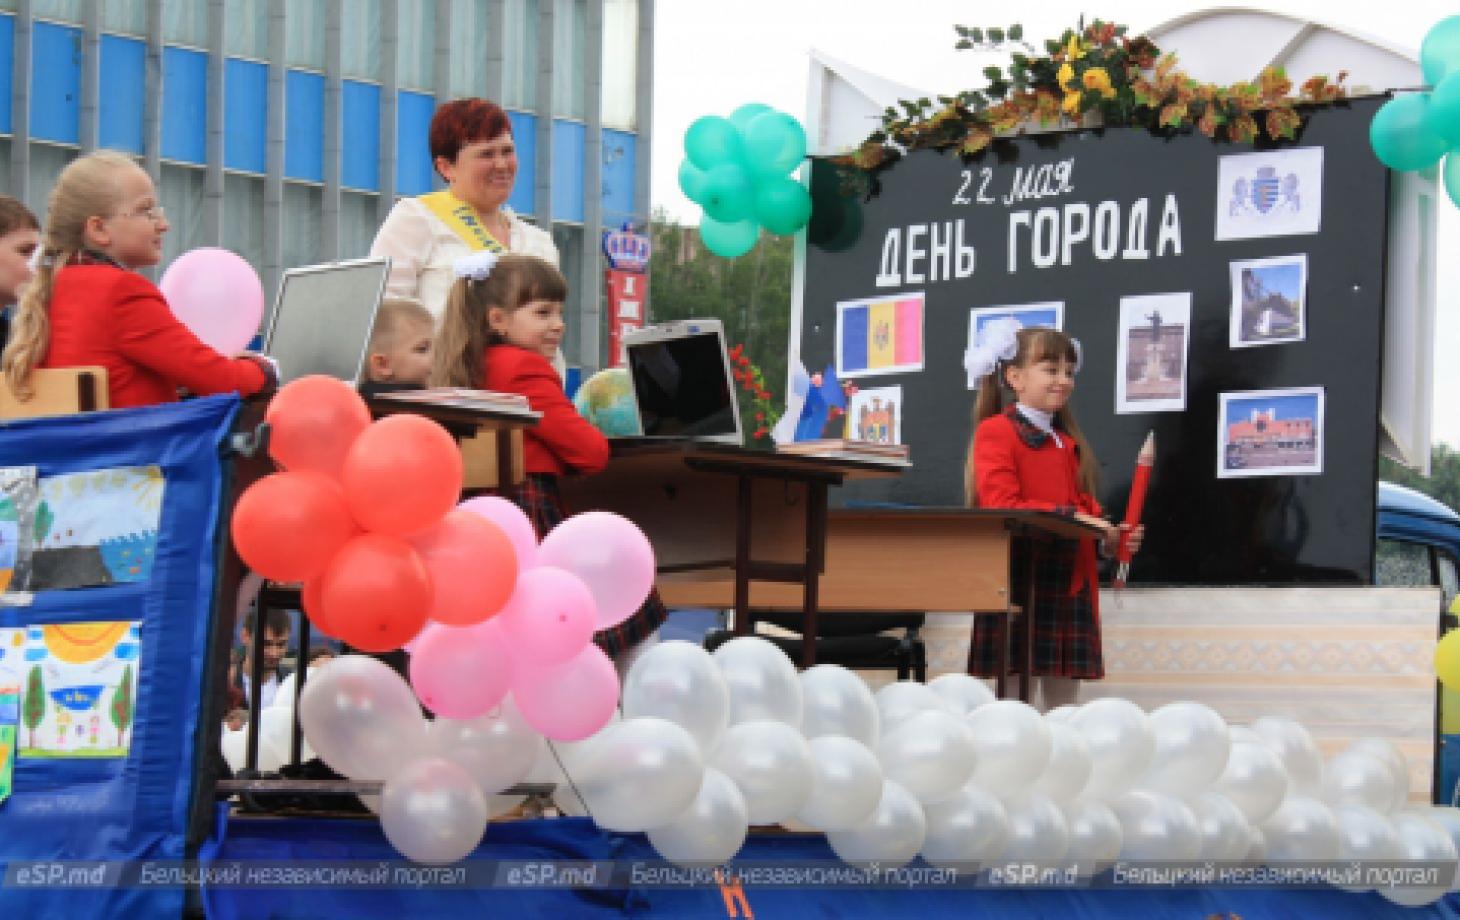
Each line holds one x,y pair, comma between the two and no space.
30,333
988,403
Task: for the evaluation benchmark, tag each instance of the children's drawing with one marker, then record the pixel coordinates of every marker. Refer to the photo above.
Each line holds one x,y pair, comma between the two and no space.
76,685
96,528
875,415
17,525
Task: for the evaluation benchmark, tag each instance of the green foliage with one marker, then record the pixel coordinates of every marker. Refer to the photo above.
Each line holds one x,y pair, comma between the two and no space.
1443,483
122,705
751,295
44,518
33,711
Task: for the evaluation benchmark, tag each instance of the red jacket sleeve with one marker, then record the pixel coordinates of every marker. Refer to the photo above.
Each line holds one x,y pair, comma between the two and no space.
996,474
146,332
562,430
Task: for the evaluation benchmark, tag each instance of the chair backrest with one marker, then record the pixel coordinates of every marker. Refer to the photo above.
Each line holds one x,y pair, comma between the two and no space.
57,391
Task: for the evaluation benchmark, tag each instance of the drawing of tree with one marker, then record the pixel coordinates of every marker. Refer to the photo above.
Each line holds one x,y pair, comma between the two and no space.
35,701
122,706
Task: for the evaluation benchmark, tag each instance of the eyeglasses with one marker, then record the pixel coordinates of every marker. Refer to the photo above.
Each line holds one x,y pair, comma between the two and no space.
156,214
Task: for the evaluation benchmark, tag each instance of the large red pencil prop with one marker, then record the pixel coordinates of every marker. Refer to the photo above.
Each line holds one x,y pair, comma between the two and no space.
1145,461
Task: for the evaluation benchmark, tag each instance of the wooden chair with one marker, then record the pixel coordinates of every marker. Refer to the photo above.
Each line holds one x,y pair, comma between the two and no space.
57,391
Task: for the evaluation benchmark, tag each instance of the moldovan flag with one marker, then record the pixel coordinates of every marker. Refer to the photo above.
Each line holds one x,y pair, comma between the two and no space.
880,336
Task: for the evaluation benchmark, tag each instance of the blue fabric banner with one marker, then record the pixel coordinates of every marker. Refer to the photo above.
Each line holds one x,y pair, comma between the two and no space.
135,806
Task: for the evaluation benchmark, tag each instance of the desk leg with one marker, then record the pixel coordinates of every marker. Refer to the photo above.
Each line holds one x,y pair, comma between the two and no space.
506,475
1026,677
815,565
1002,630
743,626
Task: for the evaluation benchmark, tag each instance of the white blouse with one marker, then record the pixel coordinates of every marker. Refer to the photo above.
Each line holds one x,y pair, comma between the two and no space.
422,250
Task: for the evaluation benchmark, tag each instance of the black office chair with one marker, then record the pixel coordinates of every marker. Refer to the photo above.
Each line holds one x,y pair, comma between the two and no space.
859,641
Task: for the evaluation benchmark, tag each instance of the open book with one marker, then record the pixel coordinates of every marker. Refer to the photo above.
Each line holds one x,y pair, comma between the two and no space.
460,397
849,449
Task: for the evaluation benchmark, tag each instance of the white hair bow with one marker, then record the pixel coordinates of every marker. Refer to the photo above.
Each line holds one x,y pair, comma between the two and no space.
476,266
997,341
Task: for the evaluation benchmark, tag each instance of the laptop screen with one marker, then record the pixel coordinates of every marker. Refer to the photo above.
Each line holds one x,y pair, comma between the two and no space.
682,385
323,317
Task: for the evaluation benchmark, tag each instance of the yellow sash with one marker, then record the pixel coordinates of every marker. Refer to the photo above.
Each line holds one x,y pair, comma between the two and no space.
462,219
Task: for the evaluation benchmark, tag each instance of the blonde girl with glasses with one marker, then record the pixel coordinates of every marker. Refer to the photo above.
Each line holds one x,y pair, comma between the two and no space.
88,306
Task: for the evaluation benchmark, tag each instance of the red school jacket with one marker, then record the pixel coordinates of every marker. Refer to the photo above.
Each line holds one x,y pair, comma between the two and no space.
108,316
564,441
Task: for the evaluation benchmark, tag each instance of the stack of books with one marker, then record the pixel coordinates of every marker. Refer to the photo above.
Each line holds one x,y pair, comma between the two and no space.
843,448
461,398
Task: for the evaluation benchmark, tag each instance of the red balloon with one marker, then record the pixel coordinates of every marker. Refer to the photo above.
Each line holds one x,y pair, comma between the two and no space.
473,567
402,474
313,603
313,421
286,526
376,592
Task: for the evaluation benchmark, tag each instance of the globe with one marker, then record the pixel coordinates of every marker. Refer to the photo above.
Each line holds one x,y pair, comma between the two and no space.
606,400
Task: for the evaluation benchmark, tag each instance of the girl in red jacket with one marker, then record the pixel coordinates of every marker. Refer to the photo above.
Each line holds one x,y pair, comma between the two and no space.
88,306
1029,453
502,326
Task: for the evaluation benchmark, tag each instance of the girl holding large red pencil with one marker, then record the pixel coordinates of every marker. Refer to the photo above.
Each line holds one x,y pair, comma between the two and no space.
1027,452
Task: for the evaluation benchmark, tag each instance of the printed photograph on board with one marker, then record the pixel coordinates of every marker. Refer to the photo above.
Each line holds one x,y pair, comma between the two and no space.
1269,300
1270,193
76,686
1270,433
879,335
1048,313
875,415
1151,353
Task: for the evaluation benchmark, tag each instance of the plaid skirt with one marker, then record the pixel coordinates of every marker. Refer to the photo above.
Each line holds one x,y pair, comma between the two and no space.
1066,627
540,497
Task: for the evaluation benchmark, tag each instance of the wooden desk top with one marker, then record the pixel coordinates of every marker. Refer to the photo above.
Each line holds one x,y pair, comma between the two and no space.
714,455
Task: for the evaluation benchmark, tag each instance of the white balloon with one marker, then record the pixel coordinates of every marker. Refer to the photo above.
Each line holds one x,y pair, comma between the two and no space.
1254,780
771,763
761,680
565,765
846,784
963,693
1037,830
362,718
1365,835
432,811
1398,766
1256,847
1422,841
1095,836
930,754
890,838
679,681
1192,746
1358,777
640,774
1242,733
276,735
836,701
498,749
1121,744
235,751
711,830
1061,714
1156,826
1012,744
966,831
1301,829
1225,833
1068,772
1298,752
905,698
1447,817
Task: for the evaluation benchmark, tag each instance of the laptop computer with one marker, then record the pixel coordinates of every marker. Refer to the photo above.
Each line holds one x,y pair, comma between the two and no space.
323,317
681,381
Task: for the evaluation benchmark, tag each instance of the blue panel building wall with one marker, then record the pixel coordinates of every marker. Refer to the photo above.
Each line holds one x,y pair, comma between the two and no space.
413,170
184,105
568,139
245,115
524,135
620,164
55,83
304,126
360,110
124,81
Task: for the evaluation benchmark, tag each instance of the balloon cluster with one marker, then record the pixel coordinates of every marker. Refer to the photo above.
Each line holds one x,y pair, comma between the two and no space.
712,744
1413,131
217,295
365,515
736,169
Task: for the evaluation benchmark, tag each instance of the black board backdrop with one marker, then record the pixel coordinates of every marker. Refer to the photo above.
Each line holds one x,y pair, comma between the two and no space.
1201,529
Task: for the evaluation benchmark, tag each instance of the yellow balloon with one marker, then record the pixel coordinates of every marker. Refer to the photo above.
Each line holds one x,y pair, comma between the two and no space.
1447,659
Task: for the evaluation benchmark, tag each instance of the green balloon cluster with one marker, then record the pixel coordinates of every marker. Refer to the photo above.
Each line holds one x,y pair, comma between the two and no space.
737,169
1413,131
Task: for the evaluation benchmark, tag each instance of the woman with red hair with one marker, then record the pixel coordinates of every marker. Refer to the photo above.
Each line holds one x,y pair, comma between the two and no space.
472,149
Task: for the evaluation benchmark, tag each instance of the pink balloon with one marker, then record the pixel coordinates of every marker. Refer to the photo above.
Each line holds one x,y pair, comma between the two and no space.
217,295
461,673
611,556
568,701
472,564
410,647
514,523
551,616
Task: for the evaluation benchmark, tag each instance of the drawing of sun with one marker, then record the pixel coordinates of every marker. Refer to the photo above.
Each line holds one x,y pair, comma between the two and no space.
79,643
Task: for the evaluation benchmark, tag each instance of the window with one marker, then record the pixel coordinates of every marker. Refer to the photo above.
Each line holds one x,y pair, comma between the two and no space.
304,34
570,25
358,224
620,63
469,41
246,28
185,22
360,39
417,44
569,241
519,83
243,219
302,224
126,16
181,194
62,10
